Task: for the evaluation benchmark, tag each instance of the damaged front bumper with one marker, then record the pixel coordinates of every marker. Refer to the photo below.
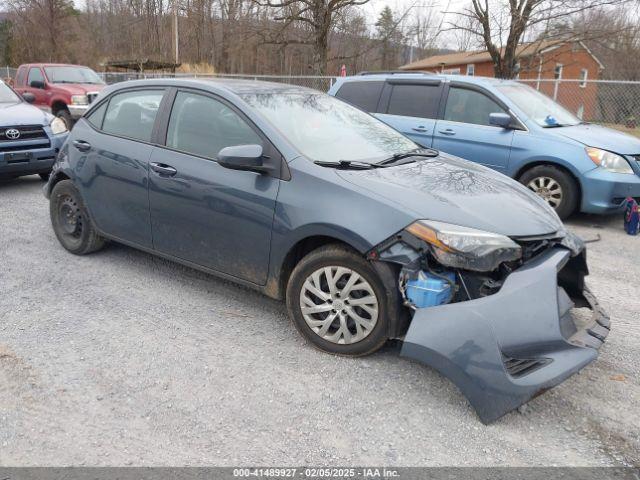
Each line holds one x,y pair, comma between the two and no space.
504,349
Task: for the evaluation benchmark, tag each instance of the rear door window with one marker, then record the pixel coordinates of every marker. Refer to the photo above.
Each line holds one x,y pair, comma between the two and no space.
470,106
414,100
132,114
363,95
97,115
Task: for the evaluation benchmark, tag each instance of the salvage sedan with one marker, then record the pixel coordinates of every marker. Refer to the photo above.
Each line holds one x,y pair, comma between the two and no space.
366,236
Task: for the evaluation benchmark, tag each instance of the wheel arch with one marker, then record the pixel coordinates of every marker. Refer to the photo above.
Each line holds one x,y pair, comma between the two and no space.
277,285
56,177
559,166
57,105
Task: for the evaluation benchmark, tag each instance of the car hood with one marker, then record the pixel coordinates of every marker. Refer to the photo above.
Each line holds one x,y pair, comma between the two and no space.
22,114
452,190
80,88
601,137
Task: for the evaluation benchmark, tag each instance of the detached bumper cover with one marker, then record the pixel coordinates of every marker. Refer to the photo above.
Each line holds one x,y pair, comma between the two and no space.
504,349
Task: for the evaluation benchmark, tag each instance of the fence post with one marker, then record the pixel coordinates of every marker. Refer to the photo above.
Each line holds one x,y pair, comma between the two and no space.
555,89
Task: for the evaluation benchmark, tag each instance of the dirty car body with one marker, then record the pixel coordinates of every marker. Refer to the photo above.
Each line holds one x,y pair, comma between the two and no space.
503,330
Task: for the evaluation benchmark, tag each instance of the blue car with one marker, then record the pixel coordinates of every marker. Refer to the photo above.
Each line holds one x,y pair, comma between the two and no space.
510,127
29,138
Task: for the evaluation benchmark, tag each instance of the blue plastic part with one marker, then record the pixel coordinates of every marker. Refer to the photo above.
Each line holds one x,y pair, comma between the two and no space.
429,290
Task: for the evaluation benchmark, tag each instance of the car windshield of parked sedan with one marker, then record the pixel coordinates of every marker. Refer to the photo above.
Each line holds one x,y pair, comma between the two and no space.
324,128
7,95
540,108
72,75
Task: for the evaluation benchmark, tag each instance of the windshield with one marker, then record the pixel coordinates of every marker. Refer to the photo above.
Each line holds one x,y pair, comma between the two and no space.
7,95
326,129
72,75
538,107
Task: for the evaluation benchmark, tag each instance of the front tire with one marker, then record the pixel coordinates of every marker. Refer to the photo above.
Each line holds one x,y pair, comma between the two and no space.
66,117
555,186
336,301
70,220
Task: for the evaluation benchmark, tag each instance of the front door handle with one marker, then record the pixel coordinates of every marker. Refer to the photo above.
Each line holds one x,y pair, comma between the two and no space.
82,145
163,169
419,129
447,131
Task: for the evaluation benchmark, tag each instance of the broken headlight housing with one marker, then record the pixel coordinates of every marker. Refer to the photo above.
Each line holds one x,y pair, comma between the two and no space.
463,247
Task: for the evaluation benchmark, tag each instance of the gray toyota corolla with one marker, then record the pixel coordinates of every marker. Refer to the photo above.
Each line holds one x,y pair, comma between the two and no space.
365,235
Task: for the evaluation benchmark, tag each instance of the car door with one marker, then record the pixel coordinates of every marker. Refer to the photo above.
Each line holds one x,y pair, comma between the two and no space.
202,212
36,75
464,129
111,152
411,107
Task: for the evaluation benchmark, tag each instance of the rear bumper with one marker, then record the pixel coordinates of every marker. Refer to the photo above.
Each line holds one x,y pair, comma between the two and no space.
504,349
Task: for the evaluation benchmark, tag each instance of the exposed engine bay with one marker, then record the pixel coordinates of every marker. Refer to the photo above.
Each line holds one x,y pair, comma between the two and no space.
498,316
432,275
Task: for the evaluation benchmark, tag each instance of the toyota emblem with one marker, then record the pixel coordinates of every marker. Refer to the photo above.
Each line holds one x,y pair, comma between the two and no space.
12,133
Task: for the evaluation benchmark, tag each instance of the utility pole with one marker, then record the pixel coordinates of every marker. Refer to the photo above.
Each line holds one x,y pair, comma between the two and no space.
175,32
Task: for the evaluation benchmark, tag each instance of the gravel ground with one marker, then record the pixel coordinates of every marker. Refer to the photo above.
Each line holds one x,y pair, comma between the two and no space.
120,358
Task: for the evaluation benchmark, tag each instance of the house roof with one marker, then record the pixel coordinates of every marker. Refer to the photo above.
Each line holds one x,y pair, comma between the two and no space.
478,56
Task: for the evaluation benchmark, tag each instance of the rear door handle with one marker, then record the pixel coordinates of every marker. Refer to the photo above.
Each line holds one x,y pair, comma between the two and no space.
420,129
82,145
163,169
447,131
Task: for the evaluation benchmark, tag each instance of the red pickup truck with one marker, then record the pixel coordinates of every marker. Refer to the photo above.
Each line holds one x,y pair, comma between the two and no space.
64,90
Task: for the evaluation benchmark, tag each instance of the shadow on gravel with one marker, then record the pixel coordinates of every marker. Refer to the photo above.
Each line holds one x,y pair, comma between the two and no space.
8,184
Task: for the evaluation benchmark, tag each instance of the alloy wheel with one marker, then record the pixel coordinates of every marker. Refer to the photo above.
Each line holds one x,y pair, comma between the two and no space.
547,188
339,305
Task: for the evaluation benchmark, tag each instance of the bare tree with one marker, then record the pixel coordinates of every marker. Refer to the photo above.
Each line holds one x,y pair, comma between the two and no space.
316,16
502,24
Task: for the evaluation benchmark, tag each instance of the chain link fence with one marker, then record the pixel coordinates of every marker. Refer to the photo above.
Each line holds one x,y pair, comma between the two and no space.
609,102
310,81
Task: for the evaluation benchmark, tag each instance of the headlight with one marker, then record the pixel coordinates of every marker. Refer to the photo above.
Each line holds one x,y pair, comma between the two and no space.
608,160
463,247
58,126
79,100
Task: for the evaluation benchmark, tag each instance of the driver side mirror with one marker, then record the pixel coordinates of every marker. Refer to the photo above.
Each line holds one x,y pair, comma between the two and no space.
243,157
28,97
500,120
37,84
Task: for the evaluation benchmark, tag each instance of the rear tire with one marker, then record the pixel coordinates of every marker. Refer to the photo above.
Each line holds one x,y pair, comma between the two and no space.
555,186
344,302
70,220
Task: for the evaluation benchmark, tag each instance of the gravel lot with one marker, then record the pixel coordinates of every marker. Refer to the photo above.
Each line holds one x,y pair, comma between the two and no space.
120,358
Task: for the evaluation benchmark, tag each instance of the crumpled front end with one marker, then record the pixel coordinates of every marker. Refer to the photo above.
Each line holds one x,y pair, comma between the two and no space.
502,346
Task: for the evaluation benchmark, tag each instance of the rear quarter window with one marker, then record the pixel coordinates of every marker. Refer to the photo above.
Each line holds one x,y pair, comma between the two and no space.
363,95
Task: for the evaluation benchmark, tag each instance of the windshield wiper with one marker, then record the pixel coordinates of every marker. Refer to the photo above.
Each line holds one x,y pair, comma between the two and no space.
347,165
420,152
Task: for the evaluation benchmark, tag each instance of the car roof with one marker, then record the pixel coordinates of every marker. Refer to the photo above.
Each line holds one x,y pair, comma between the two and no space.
473,80
46,64
232,85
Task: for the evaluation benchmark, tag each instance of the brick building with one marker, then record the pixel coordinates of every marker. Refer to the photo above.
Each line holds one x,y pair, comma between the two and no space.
539,62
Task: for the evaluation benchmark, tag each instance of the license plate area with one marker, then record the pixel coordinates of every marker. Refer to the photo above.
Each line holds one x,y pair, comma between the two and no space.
17,157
